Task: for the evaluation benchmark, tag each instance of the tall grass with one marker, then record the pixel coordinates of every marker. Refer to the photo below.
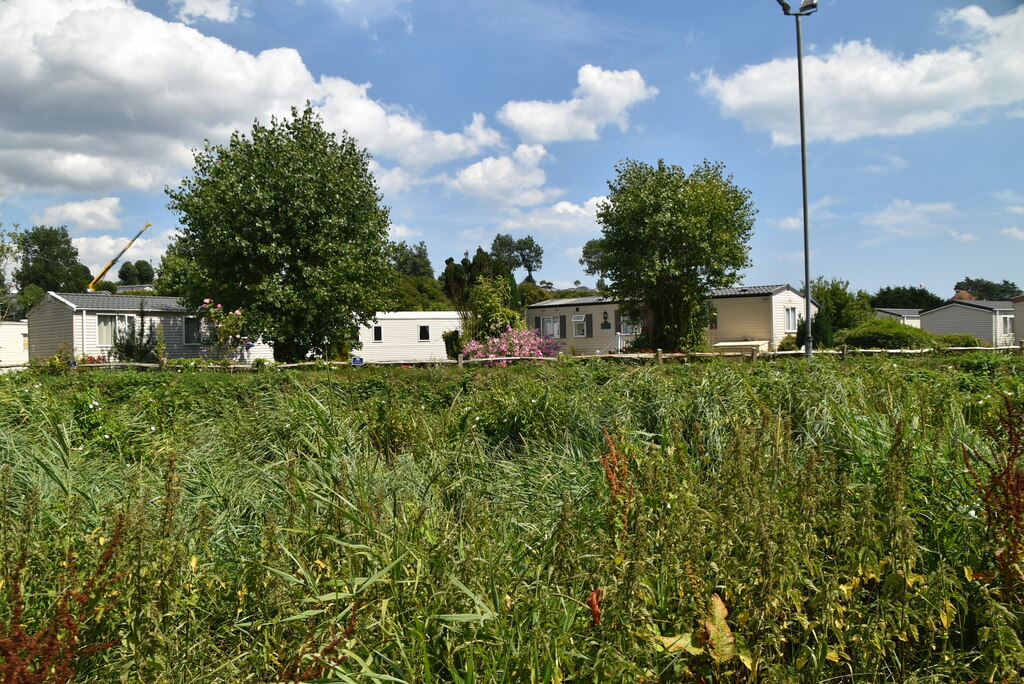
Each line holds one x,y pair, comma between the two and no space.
738,523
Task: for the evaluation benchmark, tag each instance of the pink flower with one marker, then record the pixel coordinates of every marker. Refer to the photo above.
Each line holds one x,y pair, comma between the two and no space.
238,312
207,301
220,306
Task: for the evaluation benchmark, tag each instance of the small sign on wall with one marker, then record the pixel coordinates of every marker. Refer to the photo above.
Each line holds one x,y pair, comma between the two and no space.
356,361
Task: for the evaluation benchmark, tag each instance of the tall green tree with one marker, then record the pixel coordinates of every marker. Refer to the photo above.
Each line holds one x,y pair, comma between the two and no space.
287,224
144,272
49,261
531,255
843,307
412,260
503,251
128,274
668,239
904,297
988,289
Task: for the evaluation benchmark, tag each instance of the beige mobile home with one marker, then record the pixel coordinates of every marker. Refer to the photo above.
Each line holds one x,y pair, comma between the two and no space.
745,317
83,324
990,322
13,343
582,325
758,316
911,317
407,336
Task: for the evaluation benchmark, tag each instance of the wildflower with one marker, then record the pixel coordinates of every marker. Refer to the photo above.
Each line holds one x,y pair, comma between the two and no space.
207,301
237,312
152,428
106,436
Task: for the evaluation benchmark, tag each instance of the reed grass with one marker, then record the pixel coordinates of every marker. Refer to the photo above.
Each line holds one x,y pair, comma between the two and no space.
768,522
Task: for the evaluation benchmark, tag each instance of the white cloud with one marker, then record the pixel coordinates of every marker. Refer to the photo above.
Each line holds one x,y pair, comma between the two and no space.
97,95
97,251
889,163
1015,209
215,10
906,219
100,214
962,237
397,231
515,180
365,13
857,90
817,212
574,253
1013,232
602,98
471,236
560,219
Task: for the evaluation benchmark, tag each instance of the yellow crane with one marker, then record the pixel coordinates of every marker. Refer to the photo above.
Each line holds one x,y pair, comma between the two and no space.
114,260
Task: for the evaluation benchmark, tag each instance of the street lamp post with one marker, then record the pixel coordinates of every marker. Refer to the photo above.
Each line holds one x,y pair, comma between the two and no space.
806,7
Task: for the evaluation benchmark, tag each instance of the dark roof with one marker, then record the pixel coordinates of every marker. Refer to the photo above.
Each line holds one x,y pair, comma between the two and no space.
572,301
972,303
899,312
750,291
104,301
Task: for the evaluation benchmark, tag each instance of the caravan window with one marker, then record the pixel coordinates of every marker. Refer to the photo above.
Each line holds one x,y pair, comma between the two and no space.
105,325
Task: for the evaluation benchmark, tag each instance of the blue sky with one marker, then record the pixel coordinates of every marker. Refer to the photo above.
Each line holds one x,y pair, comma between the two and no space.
488,117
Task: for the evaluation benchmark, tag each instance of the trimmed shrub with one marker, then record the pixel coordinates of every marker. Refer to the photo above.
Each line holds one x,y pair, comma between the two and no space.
957,340
887,334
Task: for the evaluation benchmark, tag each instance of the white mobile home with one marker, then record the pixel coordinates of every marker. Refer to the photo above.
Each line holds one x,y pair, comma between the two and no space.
13,343
1018,312
407,336
991,322
83,324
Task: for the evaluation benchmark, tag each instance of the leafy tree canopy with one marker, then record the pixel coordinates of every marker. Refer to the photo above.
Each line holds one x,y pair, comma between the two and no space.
842,307
904,297
419,293
285,223
50,261
509,254
128,274
988,289
144,272
411,260
668,239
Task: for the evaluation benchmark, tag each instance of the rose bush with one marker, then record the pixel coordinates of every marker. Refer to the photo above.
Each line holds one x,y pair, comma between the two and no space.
513,342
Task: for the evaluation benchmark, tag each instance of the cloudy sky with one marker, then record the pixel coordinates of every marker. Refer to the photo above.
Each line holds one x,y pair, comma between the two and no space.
487,117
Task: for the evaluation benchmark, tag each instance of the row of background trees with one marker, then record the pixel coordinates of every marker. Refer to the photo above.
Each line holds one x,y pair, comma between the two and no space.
286,223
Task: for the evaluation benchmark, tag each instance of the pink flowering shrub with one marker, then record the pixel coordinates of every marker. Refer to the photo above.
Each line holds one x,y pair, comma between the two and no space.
226,327
512,342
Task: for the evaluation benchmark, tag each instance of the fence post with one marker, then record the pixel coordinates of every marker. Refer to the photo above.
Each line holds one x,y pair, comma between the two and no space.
657,355
460,360
1022,346
844,352
753,355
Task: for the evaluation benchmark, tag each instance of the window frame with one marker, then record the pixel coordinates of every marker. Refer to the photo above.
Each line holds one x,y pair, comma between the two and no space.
378,334
579,325
551,323
199,331
628,327
421,328
1008,324
120,322
791,328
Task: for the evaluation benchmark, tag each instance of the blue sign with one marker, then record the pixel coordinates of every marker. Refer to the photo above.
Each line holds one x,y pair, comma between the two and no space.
356,361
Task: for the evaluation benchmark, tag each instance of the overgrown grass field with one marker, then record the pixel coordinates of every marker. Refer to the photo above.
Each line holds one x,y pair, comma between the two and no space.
854,521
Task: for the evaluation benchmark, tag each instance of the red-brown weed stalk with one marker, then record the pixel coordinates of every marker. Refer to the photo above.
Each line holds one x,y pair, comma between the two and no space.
1002,492
616,472
50,655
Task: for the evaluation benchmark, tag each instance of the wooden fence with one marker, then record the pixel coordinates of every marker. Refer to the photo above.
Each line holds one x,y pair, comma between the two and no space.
658,357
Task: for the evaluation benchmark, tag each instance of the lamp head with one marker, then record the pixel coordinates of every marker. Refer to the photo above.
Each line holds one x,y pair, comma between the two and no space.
785,6
808,6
